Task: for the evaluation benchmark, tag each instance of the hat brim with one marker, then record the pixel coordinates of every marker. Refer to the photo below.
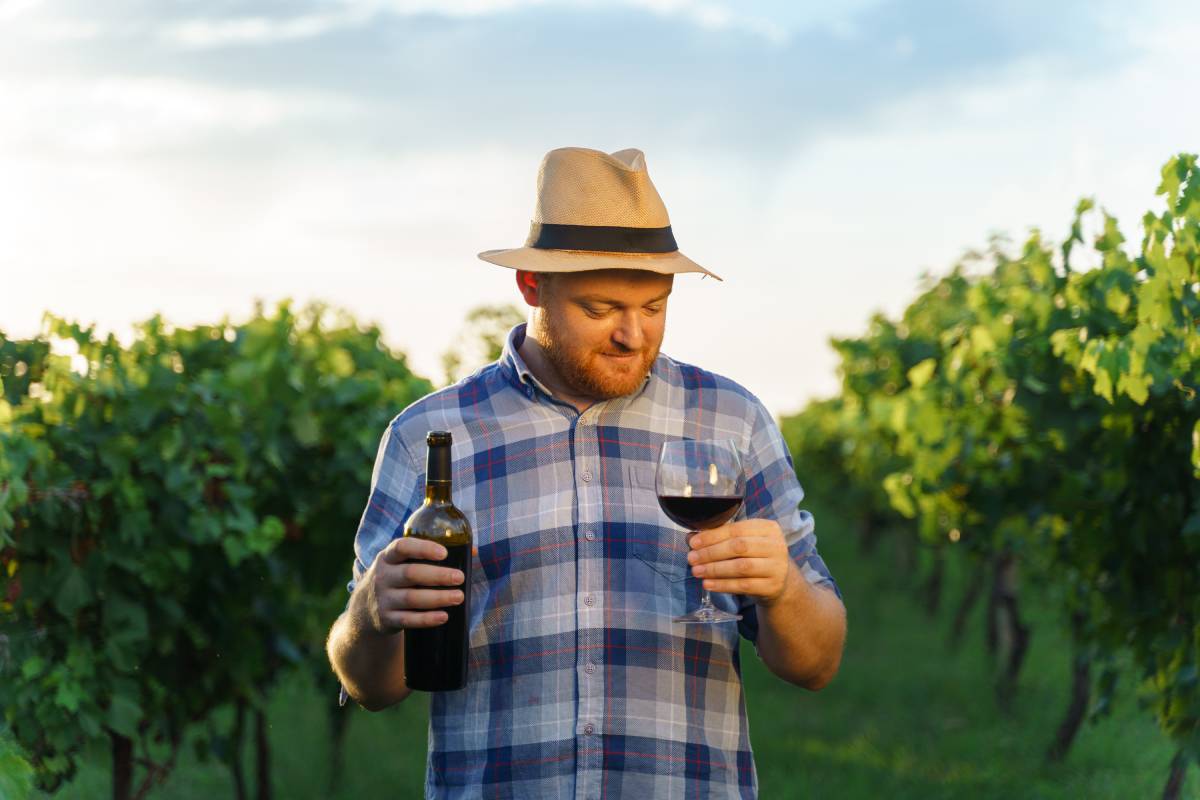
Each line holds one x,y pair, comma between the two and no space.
538,259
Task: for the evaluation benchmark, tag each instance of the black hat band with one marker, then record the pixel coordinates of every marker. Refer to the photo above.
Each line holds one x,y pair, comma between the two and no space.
602,238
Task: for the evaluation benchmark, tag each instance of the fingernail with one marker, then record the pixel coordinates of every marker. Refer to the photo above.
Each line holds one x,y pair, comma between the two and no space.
693,557
458,598
698,570
459,577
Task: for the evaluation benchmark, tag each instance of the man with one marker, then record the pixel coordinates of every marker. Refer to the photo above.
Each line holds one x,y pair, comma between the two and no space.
580,684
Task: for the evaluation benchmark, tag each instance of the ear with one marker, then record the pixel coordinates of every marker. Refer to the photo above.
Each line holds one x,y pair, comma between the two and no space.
527,284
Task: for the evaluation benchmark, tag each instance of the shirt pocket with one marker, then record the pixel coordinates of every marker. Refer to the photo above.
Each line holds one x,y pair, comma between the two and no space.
660,548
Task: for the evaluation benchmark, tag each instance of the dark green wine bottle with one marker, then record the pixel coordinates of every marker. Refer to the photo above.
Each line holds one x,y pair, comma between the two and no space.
435,659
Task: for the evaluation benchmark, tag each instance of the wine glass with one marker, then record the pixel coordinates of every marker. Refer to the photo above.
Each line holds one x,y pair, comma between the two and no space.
700,485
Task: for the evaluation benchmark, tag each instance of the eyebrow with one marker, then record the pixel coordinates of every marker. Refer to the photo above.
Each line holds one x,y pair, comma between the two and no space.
599,298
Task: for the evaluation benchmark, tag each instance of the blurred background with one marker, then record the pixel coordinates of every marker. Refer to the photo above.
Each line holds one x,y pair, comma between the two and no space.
1000,458
188,157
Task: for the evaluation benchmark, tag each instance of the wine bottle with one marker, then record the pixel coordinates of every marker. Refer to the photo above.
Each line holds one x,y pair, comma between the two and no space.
435,659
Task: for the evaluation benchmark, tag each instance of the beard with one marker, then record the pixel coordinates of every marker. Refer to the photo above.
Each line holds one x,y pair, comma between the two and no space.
587,371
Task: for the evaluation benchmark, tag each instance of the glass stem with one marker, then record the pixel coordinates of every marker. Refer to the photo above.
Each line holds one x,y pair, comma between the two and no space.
705,601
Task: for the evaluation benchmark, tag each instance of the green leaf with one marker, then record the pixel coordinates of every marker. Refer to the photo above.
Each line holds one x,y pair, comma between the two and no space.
305,427
263,539
33,666
1117,301
981,340
73,593
124,714
1196,448
921,372
16,775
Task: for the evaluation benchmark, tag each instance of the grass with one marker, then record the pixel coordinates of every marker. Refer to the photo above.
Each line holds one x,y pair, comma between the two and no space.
905,718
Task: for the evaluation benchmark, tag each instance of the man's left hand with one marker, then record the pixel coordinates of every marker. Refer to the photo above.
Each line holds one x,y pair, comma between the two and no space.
748,558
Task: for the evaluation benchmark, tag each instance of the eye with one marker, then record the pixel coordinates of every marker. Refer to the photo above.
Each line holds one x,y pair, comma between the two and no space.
652,310
592,311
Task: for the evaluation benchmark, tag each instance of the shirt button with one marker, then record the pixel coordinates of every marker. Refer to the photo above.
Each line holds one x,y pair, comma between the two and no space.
589,535
590,668
587,477
587,601
588,729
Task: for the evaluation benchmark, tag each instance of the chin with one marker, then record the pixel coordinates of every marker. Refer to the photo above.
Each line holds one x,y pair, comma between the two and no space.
617,382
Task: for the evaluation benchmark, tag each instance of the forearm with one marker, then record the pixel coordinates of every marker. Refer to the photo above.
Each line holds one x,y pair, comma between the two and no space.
802,633
369,664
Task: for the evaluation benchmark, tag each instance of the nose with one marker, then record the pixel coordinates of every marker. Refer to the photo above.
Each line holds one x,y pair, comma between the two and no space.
629,333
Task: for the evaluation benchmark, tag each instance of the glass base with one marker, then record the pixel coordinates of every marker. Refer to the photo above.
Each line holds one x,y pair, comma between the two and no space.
707,614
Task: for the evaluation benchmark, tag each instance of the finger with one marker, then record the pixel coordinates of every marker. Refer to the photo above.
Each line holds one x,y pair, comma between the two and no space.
400,620
710,537
408,574
752,587
737,547
407,548
738,568
420,599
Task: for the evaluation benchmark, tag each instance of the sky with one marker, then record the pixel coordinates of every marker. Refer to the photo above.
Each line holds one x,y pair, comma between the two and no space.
191,157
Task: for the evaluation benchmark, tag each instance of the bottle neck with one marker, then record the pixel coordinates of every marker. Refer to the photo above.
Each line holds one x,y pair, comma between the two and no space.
437,474
437,492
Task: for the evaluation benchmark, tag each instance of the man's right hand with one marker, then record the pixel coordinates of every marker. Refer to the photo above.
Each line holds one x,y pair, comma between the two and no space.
397,594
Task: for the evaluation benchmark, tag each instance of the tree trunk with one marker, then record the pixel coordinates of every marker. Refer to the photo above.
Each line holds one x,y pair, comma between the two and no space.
1081,685
339,719
263,755
122,766
967,605
992,637
870,532
1013,634
235,750
1174,788
932,590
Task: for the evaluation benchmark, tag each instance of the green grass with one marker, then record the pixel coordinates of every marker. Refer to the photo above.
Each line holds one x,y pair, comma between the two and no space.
905,718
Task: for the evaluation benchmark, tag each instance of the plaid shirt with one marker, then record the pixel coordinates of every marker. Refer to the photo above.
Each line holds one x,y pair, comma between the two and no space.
580,685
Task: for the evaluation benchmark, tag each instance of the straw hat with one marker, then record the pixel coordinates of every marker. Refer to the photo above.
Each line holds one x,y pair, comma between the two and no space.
597,210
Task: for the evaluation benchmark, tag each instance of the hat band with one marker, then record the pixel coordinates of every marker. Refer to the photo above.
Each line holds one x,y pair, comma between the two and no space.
602,238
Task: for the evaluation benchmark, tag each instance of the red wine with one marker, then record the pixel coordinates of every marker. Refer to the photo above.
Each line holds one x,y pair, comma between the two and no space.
699,513
435,659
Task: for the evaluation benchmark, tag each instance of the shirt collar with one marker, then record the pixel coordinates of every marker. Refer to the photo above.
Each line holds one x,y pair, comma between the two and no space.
520,374
518,371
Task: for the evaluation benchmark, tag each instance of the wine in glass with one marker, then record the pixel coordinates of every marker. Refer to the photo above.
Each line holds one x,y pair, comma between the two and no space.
701,485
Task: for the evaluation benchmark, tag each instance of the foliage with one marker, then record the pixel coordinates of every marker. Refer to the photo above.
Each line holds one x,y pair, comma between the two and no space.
1050,414
174,518
481,340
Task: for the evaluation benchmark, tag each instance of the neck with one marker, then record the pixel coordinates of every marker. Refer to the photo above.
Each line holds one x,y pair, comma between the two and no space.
534,356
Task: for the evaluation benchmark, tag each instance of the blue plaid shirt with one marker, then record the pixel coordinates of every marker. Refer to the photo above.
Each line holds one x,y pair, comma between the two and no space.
580,685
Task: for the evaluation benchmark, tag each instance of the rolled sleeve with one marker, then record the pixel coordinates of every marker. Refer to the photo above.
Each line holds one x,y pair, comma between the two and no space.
774,492
396,491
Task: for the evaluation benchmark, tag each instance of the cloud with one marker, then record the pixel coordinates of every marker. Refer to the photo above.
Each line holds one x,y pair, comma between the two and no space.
118,115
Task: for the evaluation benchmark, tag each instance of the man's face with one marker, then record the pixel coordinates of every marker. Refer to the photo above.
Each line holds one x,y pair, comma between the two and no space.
601,329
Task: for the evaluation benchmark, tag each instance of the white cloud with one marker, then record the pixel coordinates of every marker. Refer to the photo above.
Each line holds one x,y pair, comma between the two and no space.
205,33
114,114
11,9
201,34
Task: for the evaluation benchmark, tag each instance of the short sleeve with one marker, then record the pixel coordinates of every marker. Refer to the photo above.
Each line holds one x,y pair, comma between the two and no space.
396,491
774,492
